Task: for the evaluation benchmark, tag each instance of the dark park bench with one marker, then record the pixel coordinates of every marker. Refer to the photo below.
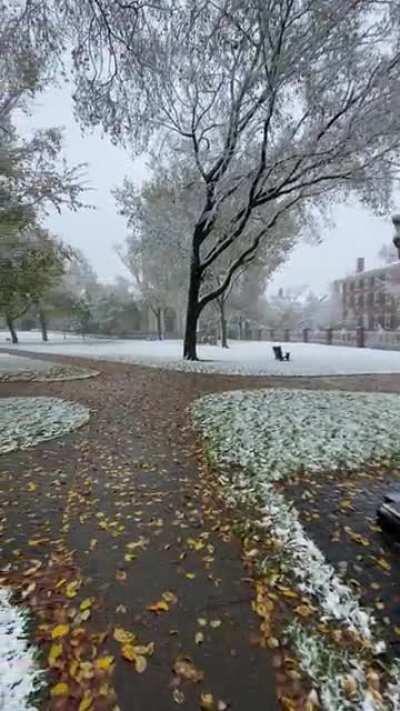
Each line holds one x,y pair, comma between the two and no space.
279,354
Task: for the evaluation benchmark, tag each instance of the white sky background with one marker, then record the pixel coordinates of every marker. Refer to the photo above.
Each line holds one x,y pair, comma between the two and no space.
357,231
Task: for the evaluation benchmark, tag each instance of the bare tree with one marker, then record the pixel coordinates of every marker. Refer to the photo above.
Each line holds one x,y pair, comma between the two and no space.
282,103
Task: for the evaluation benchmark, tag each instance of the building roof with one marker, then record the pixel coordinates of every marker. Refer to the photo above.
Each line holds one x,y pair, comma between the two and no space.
386,269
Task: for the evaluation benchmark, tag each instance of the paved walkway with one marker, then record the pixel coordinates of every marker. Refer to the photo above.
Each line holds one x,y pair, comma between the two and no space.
118,508
116,514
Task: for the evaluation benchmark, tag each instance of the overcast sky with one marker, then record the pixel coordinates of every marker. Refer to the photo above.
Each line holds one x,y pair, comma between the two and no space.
357,231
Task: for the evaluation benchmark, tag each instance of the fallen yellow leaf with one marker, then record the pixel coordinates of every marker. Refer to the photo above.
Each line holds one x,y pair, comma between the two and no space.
37,541
86,603
128,652
160,606
59,631
170,597
349,685
86,670
215,624
129,557
60,689
287,592
185,669
144,649
123,636
140,664
86,702
104,663
72,588
141,543
54,653
196,545
383,564
73,668
178,696
272,642
207,702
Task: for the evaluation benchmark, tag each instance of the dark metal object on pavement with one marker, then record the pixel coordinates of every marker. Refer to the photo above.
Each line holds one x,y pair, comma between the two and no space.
388,513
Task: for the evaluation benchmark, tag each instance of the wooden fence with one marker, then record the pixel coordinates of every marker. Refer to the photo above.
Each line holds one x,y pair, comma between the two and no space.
357,338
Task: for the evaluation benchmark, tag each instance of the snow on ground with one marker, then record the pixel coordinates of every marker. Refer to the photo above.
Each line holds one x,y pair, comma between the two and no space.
15,368
277,433
269,435
242,358
25,421
20,676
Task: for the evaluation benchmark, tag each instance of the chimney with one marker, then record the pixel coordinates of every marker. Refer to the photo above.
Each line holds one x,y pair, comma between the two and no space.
360,265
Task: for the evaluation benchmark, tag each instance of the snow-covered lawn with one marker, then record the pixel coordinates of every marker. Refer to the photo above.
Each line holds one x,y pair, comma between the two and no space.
20,675
257,438
25,421
14,368
275,433
242,358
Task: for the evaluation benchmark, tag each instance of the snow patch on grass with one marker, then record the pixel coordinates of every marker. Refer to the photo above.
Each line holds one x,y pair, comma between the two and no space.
242,358
271,434
26,421
278,432
329,669
20,676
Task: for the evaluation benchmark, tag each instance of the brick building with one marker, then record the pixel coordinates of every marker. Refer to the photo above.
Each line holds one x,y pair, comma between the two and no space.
370,298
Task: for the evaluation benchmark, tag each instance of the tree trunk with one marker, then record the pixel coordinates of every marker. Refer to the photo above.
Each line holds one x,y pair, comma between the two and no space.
240,329
10,325
43,324
223,324
159,324
192,313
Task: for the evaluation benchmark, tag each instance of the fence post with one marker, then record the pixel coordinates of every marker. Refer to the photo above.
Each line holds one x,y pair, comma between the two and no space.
329,335
361,337
305,335
286,334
